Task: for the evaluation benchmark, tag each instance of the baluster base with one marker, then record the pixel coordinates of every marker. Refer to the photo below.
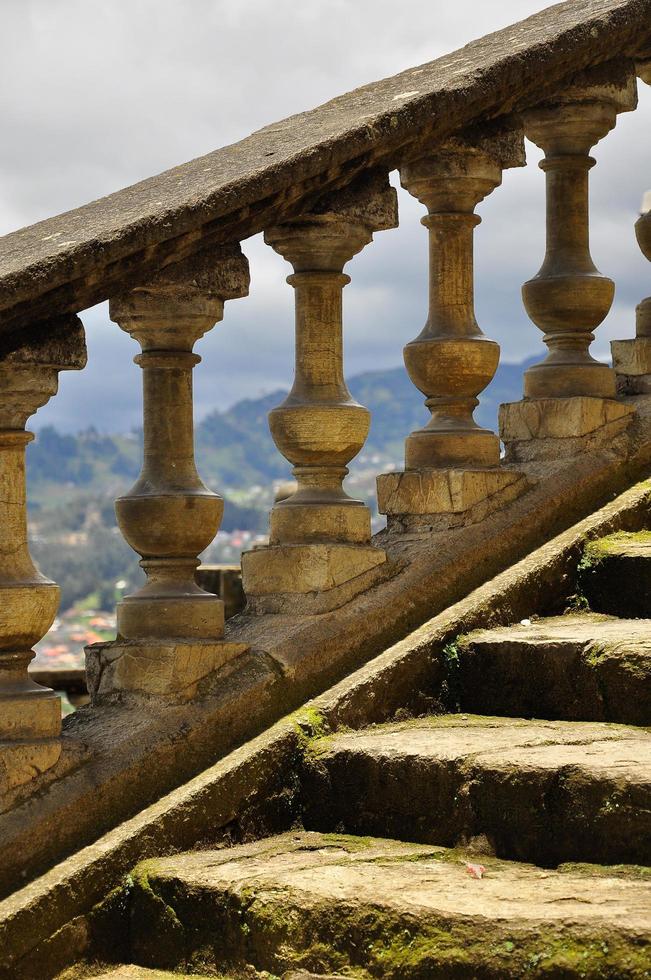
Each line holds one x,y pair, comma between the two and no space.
22,762
569,379
632,363
299,569
446,497
169,669
451,448
306,523
552,428
197,616
30,726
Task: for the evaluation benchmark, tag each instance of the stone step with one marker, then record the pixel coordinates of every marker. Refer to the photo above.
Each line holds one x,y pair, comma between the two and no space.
540,791
582,666
377,908
615,574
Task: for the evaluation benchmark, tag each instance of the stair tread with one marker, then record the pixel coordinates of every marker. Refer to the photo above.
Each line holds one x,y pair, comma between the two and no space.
572,629
582,919
599,748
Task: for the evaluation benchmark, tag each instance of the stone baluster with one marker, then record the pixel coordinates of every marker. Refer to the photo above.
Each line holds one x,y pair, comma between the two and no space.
632,358
30,715
319,536
169,631
452,464
569,298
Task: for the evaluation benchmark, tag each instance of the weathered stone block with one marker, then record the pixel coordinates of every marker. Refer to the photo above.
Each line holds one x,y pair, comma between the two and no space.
450,779
401,910
446,491
311,521
22,761
171,669
224,581
632,363
548,428
315,567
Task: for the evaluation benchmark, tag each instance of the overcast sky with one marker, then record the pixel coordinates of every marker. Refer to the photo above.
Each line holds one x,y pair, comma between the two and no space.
97,94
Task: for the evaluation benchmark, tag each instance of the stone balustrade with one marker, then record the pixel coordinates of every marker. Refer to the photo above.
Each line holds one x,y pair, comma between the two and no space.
30,715
321,555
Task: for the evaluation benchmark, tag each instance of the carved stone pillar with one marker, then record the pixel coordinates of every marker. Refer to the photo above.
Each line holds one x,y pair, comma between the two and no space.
452,464
569,298
30,715
319,536
632,358
169,631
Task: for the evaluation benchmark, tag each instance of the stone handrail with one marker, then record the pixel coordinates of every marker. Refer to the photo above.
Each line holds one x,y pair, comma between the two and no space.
166,254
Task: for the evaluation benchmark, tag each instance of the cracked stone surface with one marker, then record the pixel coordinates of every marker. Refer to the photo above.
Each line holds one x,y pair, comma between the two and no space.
583,666
157,667
450,491
632,362
395,910
300,568
539,791
550,428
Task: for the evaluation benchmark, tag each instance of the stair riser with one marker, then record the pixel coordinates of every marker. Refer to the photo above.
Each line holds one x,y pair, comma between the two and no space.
619,586
552,683
545,817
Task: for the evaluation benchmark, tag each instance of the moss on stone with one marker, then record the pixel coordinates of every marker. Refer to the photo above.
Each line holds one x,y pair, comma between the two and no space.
350,842
615,573
276,932
598,548
309,725
634,872
381,944
157,930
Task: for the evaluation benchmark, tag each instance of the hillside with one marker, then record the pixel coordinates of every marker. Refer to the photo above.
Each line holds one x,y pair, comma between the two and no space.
234,447
73,480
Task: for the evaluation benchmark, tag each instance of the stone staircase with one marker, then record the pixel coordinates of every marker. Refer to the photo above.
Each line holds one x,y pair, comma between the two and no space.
513,842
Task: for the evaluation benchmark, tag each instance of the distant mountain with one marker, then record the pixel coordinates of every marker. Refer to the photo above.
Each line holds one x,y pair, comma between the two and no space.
234,447
73,480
